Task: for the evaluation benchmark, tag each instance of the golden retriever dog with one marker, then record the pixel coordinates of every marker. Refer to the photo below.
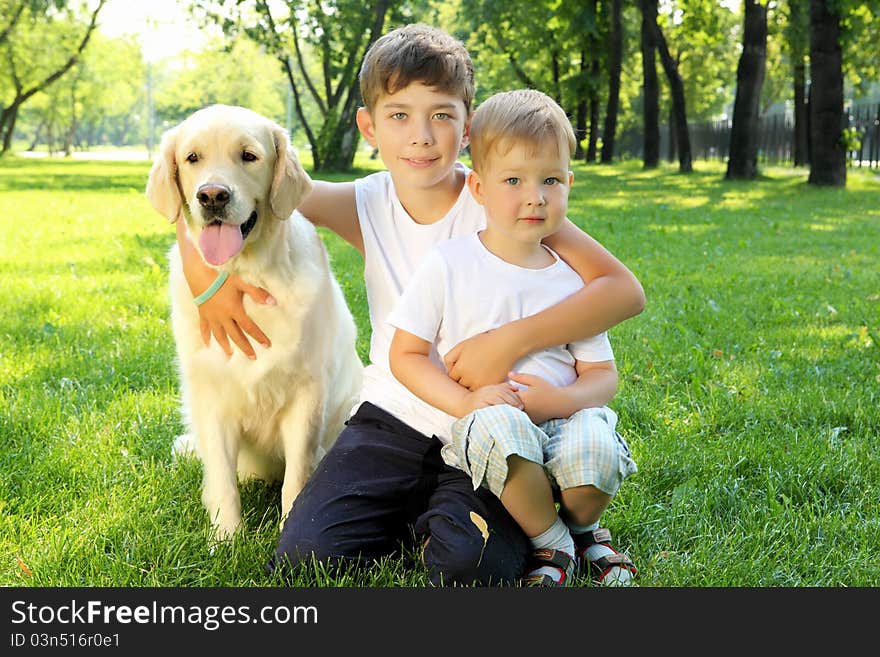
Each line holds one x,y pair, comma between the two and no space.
235,179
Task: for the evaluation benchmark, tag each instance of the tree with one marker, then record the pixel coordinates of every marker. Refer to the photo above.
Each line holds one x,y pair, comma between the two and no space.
827,119
259,83
592,52
615,60
320,47
676,87
743,161
534,42
31,66
797,45
100,100
650,85
586,33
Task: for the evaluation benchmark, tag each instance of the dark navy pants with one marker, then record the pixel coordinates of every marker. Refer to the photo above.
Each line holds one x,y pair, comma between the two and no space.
380,480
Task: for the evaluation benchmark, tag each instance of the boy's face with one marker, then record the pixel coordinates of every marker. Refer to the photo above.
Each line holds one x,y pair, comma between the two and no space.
419,132
524,190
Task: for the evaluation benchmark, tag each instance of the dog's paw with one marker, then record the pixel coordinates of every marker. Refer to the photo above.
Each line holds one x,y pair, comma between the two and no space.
184,447
224,533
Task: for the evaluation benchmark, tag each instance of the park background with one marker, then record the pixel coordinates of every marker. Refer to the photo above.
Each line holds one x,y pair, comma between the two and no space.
749,385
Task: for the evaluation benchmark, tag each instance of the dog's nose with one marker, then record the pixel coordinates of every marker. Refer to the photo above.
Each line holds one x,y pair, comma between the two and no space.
213,196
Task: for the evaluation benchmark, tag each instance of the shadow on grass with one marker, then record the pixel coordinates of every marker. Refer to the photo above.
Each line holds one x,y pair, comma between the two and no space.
664,193
22,174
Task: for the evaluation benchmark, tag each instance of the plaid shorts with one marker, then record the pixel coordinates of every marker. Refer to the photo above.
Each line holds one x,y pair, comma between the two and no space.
584,449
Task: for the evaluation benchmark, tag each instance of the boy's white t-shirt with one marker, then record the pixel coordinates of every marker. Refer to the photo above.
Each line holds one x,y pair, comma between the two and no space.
463,289
394,247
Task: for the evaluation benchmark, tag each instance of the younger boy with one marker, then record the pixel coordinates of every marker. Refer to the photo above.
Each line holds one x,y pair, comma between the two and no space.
384,475
548,430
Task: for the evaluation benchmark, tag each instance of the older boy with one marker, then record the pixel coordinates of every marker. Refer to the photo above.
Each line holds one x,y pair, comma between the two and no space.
384,475
507,437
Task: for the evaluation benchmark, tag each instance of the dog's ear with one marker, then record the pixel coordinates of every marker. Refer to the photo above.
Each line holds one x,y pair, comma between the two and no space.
162,188
291,182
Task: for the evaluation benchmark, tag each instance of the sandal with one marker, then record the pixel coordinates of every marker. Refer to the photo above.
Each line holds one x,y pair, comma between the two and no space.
562,561
602,569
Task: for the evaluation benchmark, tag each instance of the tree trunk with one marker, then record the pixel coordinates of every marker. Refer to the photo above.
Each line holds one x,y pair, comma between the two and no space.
672,149
580,128
37,133
650,86
71,129
743,161
594,111
827,120
801,135
676,88
557,86
798,38
7,125
615,62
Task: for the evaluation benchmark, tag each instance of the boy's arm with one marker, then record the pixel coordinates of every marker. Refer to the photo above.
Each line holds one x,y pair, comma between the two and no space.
223,314
611,294
331,205
412,366
595,386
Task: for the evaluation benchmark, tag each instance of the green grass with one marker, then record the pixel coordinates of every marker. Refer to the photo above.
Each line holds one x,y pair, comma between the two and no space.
749,386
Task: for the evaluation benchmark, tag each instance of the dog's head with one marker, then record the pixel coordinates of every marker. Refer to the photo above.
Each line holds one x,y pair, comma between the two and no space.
231,172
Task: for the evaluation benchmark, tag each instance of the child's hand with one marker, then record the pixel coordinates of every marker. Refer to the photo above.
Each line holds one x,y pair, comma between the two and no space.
481,360
223,316
500,393
539,399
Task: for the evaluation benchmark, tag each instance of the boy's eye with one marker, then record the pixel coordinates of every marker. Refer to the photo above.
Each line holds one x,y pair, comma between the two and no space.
512,181
442,116
552,180
398,116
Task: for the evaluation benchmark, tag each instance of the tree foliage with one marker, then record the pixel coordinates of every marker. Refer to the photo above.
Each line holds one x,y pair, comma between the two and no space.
40,41
196,81
100,100
320,47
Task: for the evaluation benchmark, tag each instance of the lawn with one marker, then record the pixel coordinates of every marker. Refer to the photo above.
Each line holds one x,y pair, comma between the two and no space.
750,385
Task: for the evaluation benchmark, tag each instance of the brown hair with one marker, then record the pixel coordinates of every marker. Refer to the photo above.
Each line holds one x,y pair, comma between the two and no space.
525,115
416,53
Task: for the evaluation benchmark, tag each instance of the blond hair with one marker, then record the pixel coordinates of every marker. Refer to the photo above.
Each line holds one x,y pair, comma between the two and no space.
416,53
523,116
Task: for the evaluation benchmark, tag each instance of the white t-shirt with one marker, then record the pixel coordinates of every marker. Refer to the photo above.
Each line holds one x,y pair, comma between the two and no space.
394,247
463,289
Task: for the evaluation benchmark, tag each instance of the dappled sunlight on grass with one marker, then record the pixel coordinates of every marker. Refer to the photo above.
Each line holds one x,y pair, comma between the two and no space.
681,228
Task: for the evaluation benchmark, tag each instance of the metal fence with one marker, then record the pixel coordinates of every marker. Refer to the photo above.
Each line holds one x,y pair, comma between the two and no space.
710,140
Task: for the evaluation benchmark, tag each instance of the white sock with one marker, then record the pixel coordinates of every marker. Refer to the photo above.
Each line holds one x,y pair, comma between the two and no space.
616,576
557,537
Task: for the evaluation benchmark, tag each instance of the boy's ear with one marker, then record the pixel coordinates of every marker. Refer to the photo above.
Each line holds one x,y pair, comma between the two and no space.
476,186
570,178
466,136
365,125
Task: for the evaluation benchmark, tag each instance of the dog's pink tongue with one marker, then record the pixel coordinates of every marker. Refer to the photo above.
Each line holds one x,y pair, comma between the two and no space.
219,242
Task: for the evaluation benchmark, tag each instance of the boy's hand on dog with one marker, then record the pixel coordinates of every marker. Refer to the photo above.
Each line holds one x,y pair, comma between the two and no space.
224,317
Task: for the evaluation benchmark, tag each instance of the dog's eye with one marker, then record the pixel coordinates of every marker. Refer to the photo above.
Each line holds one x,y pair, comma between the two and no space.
247,156
192,158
